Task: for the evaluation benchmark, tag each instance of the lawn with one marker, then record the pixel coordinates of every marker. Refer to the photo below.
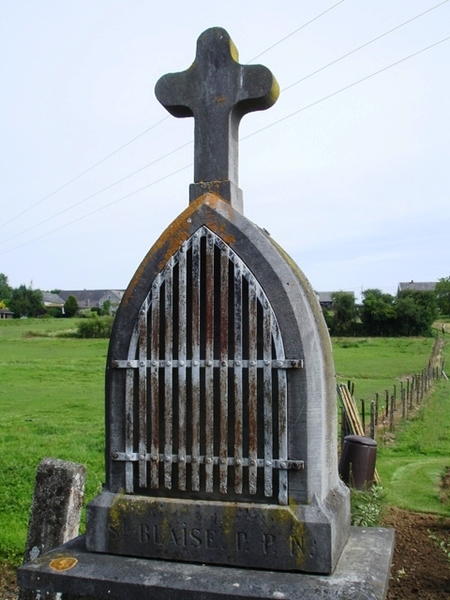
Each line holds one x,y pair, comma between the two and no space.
52,404
376,364
411,469
51,399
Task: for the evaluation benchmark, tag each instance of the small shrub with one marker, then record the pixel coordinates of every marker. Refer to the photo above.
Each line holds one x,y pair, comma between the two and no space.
35,334
97,327
367,506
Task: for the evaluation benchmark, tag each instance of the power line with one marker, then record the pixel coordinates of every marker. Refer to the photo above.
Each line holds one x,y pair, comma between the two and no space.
375,39
137,137
296,112
145,187
296,30
96,193
83,173
190,142
243,139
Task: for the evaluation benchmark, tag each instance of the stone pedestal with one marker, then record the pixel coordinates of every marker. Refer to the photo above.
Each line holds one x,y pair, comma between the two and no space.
362,573
285,538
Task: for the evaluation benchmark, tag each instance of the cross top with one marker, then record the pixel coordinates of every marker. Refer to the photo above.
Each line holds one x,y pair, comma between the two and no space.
217,91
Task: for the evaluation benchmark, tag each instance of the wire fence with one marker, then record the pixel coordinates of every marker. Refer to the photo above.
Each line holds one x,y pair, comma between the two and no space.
377,417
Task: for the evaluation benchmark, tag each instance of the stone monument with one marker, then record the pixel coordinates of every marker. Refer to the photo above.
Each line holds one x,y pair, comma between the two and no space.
221,420
220,385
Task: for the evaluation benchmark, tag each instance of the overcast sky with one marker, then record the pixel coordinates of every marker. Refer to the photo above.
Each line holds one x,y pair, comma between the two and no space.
349,171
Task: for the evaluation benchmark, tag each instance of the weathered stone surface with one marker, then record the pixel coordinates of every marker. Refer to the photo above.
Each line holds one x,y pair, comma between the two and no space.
316,492
56,506
217,91
287,538
55,509
361,574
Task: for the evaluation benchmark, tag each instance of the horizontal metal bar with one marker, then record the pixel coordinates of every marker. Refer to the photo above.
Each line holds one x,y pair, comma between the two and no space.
287,363
295,465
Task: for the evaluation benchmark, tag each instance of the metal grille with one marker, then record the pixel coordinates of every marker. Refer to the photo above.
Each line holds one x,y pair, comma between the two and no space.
206,393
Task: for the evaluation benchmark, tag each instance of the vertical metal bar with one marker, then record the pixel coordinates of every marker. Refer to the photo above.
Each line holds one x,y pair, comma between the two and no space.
252,386
282,436
143,396
129,411
268,423
154,383
238,418
195,465
209,363
182,302
223,442
282,413
168,373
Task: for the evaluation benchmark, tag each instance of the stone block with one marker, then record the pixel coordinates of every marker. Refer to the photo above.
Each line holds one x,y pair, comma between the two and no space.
362,573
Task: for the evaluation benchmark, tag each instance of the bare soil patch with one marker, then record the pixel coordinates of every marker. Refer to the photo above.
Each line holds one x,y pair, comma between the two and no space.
419,570
8,588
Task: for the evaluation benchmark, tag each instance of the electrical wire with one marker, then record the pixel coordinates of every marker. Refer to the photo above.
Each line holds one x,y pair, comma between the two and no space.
145,187
95,194
324,98
347,87
375,39
191,141
296,31
83,173
147,130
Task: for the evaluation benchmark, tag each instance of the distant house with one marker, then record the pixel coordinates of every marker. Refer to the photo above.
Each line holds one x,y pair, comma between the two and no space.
94,298
418,286
326,300
51,300
6,314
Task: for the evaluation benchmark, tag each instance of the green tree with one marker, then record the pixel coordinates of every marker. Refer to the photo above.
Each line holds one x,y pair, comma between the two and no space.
26,302
442,292
344,311
5,288
416,312
70,306
378,313
106,308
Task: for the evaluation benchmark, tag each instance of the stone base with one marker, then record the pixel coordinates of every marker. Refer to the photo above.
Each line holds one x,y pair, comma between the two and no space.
306,538
361,574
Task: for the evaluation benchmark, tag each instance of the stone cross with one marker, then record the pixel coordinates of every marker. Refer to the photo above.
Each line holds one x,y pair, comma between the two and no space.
217,91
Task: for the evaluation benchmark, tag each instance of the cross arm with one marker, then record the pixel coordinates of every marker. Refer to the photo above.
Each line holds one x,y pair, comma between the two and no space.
217,91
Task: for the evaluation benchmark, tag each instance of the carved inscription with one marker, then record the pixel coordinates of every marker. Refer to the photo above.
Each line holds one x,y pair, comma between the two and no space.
181,537
209,539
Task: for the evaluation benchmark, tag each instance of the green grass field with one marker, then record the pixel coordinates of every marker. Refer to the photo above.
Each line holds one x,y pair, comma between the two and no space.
376,364
411,468
52,404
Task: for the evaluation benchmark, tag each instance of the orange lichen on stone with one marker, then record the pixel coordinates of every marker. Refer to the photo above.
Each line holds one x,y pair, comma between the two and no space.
63,564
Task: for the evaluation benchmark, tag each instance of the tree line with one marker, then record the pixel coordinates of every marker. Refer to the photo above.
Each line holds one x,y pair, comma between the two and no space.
409,313
25,301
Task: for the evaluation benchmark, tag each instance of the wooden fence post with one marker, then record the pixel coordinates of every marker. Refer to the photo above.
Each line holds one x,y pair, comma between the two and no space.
391,415
363,415
372,420
404,404
417,389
